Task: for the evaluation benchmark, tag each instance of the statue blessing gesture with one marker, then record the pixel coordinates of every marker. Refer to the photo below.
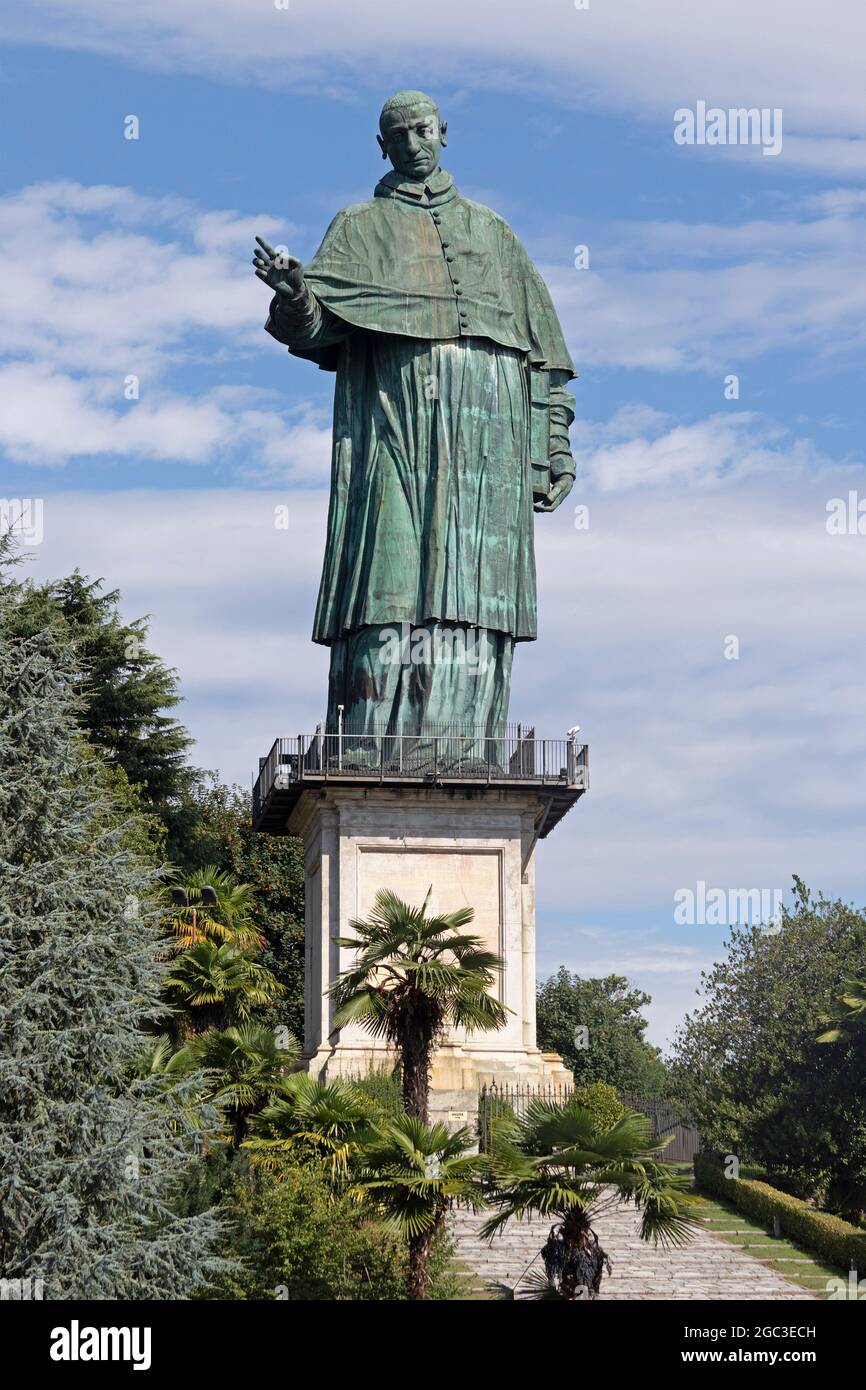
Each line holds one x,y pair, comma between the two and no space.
451,420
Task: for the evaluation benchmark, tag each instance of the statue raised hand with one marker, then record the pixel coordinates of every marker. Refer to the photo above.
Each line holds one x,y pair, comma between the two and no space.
282,272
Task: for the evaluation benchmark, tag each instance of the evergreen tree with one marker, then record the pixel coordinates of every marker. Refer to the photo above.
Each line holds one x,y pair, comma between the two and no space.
91,1153
127,693
184,814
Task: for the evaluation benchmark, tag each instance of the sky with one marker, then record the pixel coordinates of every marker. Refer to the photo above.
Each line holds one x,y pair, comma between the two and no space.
706,628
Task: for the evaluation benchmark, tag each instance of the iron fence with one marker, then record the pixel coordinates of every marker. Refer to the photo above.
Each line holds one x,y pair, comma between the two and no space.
503,1101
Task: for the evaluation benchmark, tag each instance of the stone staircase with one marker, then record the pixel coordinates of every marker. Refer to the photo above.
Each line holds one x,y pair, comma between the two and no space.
707,1268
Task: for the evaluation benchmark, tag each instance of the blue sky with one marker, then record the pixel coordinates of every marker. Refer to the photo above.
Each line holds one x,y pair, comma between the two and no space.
707,515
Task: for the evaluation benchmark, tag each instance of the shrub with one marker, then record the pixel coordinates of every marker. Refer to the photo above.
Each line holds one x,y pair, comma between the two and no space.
829,1236
384,1085
601,1101
297,1237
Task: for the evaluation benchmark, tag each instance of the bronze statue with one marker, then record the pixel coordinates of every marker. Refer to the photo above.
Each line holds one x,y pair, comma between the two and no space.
451,419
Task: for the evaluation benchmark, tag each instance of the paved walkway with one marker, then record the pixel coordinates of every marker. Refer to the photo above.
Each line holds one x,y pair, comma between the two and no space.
707,1268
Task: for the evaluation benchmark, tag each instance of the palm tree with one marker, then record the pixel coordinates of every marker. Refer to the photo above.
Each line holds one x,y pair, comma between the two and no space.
217,908
243,1067
413,977
333,1118
218,986
413,1174
171,1068
158,1057
556,1160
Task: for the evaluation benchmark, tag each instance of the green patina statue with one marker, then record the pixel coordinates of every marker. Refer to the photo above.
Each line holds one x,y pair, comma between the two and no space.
451,419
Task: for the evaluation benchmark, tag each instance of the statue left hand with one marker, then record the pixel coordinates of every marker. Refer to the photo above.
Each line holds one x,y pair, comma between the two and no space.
558,493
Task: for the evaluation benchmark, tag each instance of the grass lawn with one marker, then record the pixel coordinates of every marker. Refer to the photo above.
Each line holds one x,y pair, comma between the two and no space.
777,1253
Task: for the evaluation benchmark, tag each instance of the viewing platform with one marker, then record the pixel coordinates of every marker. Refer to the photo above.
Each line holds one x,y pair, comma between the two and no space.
468,763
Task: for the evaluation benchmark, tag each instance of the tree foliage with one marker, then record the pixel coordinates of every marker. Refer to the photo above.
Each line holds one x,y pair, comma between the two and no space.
127,712
127,693
272,868
91,1150
749,1064
298,1239
413,1174
597,1027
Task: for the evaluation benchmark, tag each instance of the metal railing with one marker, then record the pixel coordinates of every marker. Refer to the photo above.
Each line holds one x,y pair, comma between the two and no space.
439,753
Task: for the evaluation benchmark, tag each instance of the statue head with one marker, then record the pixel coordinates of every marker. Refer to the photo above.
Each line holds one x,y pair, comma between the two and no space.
412,133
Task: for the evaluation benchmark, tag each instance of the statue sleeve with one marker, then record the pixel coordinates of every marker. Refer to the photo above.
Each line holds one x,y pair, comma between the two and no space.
305,325
561,413
551,413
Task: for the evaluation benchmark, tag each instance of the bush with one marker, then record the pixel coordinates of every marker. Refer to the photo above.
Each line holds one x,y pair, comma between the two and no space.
298,1239
601,1101
295,1237
825,1235
384,1085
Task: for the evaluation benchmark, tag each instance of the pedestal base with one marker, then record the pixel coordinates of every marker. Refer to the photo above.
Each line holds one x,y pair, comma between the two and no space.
471,847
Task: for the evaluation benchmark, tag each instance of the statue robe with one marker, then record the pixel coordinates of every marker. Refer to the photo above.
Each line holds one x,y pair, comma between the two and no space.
450,375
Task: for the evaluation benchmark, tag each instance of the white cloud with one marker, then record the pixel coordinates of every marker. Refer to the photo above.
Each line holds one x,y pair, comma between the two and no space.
642,447
667,970
834,158
621,54
140,287
150,287
110,297
679,296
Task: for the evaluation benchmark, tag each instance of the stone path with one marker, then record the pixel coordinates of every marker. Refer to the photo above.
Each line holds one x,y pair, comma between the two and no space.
707,1268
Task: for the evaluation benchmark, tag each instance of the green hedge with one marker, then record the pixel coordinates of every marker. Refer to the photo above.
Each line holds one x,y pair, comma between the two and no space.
829,1236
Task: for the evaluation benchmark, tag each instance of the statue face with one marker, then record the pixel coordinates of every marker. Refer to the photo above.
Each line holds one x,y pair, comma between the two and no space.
412,140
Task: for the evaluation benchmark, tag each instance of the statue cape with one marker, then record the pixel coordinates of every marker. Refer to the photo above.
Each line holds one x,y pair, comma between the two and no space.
421,261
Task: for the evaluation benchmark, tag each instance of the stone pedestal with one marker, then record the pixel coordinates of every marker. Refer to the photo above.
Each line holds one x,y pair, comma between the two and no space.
475,847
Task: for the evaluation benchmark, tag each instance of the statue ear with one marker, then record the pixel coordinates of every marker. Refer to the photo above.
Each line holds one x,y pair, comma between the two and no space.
443,131
382,146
